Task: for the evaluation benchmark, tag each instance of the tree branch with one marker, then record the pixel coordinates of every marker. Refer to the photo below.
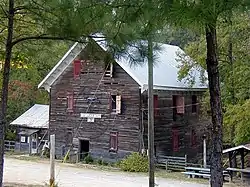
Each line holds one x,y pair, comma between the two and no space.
41,38
44,37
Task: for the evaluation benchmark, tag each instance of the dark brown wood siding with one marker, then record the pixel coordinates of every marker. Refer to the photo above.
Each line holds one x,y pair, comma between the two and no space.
69,126
187,125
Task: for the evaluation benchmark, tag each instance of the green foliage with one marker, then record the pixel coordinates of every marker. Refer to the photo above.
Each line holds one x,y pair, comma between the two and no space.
99,161
31,62
10,134
105,163
88,159
234,76
134,163
238,116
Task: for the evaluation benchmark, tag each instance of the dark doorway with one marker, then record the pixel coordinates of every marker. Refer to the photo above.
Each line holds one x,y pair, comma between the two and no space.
84,148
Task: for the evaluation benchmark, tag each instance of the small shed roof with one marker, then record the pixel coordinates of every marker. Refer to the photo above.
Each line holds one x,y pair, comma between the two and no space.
246,146
28,132
165,69
35,117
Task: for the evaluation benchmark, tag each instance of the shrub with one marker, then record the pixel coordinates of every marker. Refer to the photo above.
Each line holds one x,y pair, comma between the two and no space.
88,159
105,163
99,161
134,163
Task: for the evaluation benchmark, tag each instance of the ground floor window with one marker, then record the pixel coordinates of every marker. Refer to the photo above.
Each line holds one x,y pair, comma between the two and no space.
175,139
193,139
24,139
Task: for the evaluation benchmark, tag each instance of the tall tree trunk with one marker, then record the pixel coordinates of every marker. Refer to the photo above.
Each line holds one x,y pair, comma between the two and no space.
230,59
4,93
215,102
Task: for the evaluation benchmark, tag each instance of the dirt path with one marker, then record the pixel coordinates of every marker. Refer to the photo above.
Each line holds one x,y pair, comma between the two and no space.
27,172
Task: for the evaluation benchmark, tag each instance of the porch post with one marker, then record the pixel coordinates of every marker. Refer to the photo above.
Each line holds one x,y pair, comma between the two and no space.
37,143
230,159
242,161
30,144
230,155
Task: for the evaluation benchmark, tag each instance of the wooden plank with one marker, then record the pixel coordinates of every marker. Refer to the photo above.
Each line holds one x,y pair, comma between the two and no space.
172,157
126,123
196,174
197,169
238,170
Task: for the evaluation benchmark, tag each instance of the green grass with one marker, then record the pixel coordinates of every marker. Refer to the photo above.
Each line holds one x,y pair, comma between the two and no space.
178,176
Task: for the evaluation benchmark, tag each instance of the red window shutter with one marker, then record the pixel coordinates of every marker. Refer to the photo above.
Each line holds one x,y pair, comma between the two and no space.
118,104
113,142
193,139
180,105
156,105
70,102
175,138
110,103
77,68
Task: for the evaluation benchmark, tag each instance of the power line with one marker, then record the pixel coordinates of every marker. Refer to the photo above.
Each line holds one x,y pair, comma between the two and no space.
175,107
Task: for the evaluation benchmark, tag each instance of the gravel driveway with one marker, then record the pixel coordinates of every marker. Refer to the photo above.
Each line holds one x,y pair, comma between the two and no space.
27,172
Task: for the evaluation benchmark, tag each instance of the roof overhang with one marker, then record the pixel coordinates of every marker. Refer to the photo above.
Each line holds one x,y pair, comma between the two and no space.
59,68
144,88
247,147
76,49
28,132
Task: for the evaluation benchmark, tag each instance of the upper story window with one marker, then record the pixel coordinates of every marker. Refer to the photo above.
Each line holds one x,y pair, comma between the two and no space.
178,105
77,68
109,70
194,104
115,104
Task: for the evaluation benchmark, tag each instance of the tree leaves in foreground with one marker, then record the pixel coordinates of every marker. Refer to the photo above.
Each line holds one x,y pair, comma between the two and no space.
203,16
234,77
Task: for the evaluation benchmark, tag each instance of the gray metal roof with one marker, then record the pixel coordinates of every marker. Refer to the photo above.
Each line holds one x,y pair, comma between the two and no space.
246,146
28,131
165,69
35,117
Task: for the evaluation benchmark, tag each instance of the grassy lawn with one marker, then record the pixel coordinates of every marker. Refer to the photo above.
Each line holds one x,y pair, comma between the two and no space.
179,176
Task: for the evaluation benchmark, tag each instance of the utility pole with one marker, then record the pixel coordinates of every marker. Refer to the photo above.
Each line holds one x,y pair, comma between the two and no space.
150,114
52,161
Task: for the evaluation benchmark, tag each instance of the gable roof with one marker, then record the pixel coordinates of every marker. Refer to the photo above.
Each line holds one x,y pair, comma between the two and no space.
61,65
35,117
165,69
246,147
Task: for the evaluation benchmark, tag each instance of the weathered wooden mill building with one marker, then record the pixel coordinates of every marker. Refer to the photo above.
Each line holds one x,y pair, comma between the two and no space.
98,104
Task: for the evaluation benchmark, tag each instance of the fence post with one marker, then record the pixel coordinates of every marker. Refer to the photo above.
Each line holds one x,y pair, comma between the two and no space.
185,160
167,165
52,161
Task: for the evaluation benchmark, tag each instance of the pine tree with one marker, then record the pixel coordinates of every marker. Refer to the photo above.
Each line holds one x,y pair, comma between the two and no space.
203,16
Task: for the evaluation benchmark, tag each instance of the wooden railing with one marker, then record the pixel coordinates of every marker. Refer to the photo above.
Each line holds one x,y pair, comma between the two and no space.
9,145
172,163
